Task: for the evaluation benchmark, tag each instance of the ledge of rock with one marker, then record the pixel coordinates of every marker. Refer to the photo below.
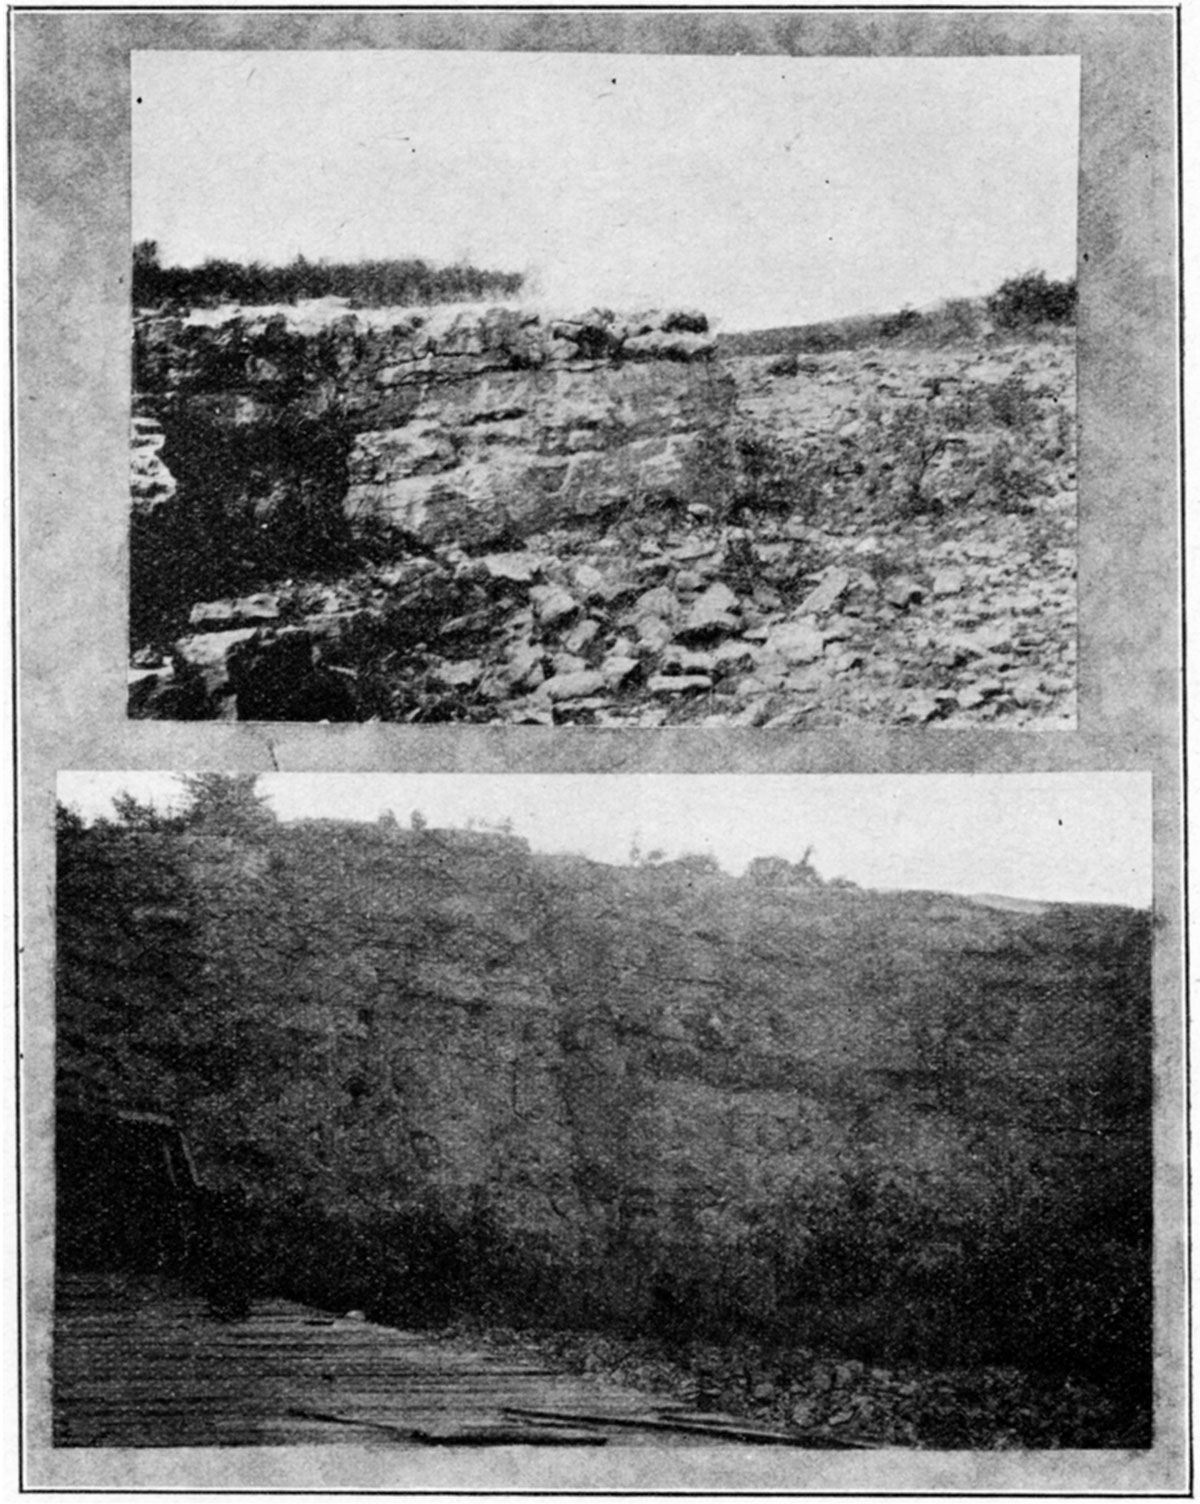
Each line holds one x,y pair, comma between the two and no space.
469,424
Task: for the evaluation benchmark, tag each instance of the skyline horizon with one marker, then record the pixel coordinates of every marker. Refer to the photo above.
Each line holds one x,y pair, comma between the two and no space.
524,300
1055,838
764,190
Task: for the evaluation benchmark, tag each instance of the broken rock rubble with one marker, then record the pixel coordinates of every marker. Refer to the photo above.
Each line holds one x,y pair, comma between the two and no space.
562,628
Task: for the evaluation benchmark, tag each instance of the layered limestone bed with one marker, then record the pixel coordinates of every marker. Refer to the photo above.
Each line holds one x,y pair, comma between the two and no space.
506,454
664,1062
489,515
463,424
264,439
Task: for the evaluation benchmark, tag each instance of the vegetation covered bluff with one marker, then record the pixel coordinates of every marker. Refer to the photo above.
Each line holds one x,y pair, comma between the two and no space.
455,1079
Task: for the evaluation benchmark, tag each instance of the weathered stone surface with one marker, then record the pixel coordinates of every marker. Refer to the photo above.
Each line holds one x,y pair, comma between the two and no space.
838,629
208,658
995,635
581,634
902,591
713,611
709,625
796,642
678,660
553,603
151,484
659,602
526,666
695,549
949,582
617,668
678,684
1027,689
568,1063
658,344
574,686
460,675
521,567
653,634
843,662
733,657
589,581
920,708
527,450
826,593
210,615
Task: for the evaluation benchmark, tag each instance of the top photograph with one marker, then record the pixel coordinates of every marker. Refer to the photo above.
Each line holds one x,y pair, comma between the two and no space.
614,390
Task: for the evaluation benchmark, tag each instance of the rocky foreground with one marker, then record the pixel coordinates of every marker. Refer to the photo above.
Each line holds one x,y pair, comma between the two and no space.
650,536
825,1394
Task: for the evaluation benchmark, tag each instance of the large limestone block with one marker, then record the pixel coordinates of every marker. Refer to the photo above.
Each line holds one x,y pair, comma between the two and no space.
661,344
473,503
520,451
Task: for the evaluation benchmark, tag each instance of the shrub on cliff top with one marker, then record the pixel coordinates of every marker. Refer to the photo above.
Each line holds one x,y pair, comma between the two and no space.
1030,299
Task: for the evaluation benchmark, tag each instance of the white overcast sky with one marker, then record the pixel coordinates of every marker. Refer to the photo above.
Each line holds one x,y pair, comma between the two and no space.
765,190
1062,836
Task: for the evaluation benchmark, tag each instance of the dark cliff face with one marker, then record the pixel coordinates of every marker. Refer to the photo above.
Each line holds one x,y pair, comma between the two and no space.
656,1069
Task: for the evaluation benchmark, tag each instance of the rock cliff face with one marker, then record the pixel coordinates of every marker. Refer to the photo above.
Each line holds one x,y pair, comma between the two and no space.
454,424
509,453
661,1066
482,516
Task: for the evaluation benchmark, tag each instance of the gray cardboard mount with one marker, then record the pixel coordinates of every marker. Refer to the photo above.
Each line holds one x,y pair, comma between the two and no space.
71,162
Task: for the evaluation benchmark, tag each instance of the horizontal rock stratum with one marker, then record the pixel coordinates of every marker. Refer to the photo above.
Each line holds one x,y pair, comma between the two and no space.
459,423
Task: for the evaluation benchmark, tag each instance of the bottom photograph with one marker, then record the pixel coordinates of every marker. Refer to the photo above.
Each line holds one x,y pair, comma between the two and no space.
612,1111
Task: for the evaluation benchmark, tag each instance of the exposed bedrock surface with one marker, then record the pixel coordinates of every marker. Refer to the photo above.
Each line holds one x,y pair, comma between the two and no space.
512,452
737,1090
493,517
447,424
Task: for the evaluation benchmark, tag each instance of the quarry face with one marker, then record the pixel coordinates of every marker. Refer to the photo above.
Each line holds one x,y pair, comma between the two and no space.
660,1069
905,1126
490,515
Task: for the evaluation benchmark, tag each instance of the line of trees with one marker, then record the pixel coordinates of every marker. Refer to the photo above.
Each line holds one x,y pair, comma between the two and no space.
371,284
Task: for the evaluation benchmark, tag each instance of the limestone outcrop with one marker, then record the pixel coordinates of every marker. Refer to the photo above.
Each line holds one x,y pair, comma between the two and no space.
463,424
510,453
